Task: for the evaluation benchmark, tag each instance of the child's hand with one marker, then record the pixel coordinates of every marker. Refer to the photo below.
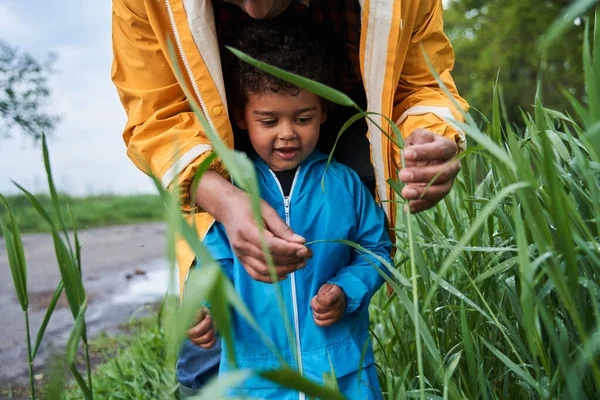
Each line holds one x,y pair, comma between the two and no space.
203,333
328,305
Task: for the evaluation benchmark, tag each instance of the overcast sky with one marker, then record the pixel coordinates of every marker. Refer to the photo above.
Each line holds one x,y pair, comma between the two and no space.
87,151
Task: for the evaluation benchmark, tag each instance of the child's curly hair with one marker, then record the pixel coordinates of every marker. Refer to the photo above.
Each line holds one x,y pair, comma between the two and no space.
285,45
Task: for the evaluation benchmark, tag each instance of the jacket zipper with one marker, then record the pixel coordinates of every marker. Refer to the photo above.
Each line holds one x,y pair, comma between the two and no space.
286,205
187,67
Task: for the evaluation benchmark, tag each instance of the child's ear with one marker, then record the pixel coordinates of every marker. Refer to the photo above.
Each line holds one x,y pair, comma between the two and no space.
241,123
323,116
239,119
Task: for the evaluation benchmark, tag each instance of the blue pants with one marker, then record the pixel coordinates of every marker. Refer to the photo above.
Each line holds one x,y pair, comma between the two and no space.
196,366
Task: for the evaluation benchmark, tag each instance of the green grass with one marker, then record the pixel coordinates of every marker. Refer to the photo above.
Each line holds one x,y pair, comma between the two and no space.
130,365
92,211
507,268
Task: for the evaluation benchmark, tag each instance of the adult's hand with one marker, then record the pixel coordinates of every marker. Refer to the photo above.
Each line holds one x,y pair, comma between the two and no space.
428,156
231,206
287,248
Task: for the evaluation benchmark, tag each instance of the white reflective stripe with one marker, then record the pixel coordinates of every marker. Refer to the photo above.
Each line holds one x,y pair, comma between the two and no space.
183,162
186,64
201,21
375,63
443,113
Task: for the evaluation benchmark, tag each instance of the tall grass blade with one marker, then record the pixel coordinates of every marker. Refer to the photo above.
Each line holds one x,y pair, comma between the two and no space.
73,345
202,168
191,303
75,336
576,9
218,388
469,351
243,174
489,208
17,269
291,379
87,392
389,267
71,276
46,320
220,310
345,127
449,373
335,96
53,192
238,304
75,238
517,370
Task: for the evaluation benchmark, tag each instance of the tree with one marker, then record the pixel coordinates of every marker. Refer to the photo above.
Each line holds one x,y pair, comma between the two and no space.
499,39
23,93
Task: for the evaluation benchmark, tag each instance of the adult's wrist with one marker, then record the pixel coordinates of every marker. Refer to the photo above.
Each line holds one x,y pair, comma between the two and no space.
214,194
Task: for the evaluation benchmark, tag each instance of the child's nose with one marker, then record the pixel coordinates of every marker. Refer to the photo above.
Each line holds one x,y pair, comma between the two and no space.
286,132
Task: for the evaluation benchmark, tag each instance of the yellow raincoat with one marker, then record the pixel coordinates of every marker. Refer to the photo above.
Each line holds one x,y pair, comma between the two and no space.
163,136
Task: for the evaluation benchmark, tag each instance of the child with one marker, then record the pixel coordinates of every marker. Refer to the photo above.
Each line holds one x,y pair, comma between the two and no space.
327,301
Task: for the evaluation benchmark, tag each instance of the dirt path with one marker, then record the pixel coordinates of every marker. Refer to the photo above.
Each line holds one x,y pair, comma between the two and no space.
123,268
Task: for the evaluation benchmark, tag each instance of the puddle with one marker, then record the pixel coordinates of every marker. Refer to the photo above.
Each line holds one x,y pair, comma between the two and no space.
149,287
114,299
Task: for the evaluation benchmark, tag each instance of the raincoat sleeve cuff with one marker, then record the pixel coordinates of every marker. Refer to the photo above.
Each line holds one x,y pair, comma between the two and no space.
186,177
435,124
354,289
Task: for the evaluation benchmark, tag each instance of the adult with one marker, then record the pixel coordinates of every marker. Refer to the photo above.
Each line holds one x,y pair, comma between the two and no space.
382,65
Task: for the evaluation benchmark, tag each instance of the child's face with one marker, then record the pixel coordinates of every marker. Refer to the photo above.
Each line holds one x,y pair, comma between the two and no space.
283,129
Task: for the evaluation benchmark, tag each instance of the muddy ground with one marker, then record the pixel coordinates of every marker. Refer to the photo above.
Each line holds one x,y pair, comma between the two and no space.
124,268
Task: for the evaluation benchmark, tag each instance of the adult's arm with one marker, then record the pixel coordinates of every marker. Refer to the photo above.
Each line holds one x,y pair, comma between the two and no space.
161,130
162,133
422,109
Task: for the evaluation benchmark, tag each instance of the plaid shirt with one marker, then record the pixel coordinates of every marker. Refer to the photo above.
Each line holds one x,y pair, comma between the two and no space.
343,16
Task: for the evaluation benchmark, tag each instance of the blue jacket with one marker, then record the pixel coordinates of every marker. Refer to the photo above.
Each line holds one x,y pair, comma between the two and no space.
345,210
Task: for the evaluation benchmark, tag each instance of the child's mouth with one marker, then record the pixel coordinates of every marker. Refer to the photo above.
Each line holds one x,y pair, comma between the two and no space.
287,153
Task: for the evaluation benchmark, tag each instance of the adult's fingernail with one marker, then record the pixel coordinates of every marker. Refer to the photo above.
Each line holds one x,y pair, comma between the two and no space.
297,238
406,176
410,154
410,193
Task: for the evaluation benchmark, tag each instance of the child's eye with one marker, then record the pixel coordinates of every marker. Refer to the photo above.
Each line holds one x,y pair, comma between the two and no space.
268,122
304,120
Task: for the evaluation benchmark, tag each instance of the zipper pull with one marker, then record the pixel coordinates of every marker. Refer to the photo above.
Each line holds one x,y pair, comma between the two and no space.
286,206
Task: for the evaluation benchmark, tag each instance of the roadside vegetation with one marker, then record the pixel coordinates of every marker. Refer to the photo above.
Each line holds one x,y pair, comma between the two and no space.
91,211
131,364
